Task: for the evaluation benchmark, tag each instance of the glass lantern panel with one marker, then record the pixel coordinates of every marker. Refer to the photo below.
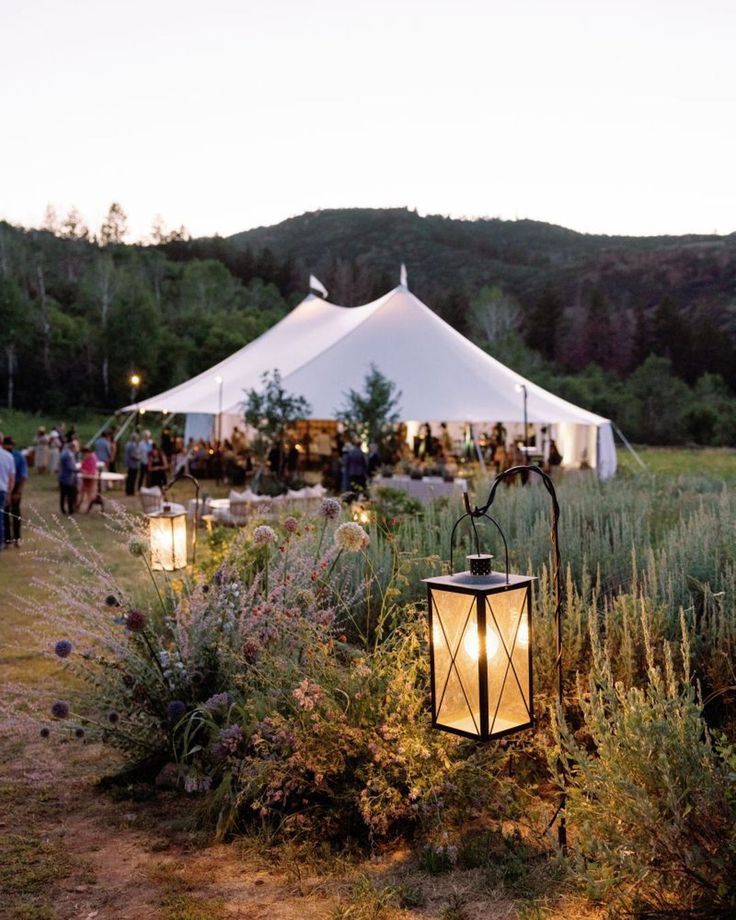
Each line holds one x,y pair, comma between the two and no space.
456,649
507,644
168,542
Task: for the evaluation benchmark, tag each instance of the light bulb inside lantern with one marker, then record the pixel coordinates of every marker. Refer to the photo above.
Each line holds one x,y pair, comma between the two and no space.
522,635
471,644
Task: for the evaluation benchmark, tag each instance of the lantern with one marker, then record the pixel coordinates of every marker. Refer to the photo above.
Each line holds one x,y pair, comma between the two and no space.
481,651
168,539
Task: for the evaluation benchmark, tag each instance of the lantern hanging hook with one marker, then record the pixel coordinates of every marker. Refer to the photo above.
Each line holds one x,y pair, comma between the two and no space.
473,515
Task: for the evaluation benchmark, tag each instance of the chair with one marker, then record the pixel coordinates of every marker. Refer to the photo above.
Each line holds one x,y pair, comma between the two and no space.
152,499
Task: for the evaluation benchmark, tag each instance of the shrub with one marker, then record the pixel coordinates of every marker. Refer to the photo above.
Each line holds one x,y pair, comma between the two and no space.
650,798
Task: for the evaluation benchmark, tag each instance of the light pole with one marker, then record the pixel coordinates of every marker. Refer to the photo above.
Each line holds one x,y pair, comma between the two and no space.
521,388
219,382
135,381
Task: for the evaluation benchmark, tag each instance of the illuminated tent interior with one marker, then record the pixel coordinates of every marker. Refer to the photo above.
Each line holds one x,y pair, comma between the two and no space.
322,350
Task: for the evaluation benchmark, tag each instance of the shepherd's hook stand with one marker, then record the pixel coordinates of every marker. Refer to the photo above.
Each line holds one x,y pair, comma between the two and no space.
479,512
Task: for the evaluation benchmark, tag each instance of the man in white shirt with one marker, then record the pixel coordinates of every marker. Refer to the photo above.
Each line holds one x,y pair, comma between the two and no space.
7,482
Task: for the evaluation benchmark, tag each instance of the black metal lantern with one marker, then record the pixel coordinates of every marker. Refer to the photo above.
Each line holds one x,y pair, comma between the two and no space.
480,624
481,651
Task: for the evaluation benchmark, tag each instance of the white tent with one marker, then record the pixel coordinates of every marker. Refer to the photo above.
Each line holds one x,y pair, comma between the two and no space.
322,350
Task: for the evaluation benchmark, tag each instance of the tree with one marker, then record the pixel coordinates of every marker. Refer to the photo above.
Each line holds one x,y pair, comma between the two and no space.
114,227
544,324
272,410
371,416
15,328
73,227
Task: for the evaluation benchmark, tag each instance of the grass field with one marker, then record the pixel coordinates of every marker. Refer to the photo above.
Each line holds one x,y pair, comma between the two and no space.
69,851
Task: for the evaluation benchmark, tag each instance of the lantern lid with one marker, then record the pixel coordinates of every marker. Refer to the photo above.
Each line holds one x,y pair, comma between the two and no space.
168,511
496,581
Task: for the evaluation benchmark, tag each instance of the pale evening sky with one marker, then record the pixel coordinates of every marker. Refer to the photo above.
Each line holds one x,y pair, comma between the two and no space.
614,117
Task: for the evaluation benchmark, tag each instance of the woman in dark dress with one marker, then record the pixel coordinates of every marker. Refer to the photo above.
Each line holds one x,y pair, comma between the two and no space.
157,466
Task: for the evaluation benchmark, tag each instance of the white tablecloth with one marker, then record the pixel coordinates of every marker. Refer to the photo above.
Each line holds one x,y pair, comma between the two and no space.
425,490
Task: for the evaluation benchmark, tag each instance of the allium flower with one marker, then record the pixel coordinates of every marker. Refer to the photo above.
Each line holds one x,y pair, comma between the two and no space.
264,535
175,710
135,621
137,546
45,732
113,717
291,525
329,508
79,732
112,601
63,648
351,537
60,709
218,701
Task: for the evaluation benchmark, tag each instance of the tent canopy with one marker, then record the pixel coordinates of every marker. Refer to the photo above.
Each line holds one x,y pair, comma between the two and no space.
322,350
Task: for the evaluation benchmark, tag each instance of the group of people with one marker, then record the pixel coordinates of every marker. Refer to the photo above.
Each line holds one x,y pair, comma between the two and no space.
148,463
13,476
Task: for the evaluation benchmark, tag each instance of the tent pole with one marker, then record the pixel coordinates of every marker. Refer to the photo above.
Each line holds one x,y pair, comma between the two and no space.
125,426
628,446
99,431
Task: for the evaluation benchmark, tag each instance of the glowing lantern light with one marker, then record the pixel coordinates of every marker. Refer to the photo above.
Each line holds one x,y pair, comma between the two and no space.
168,539
480,653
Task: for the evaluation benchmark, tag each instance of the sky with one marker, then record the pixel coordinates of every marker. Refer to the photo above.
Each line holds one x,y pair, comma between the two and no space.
605,117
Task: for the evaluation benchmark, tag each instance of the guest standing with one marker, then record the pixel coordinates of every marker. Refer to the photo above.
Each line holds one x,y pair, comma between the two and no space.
88,475
41,443
144,449
157,466
132,463
68,479
12,510
7,482
55,441
103,449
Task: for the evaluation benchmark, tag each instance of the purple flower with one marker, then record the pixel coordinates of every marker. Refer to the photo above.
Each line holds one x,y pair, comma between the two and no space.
63,648
135,621
329,508
60,710
112,601
79,732
113,718
45,732
175,710
291,525
218,701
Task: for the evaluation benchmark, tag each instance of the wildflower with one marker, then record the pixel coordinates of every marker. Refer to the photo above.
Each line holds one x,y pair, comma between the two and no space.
112,601
218,701
45,732
351,537
307,693
291,525
113,717
137,546
264,535
329,509
175,710
63,648
79,732
60,709
135,621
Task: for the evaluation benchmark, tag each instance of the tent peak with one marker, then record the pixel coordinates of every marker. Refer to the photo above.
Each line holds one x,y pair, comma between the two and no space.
403,277
316,286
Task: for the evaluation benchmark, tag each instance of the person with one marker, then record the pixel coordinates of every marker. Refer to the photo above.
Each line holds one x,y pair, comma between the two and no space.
132,463
7,483
157,466
276,459
445,440
555,457
88,474
323,445
167,443
103,448
55,442
144,449
356,468
68,478
113,461
374,459
41,443
12,511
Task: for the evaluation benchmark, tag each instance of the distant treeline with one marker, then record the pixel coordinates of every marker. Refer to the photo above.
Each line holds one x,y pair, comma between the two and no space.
79,313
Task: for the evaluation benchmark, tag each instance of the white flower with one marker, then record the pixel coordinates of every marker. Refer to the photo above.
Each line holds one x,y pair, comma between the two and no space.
264,536
351,537
137,546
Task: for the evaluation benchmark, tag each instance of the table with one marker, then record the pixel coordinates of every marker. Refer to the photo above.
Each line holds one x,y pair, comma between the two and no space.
426,489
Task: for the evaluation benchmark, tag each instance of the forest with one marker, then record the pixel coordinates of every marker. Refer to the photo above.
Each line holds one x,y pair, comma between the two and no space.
640,330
